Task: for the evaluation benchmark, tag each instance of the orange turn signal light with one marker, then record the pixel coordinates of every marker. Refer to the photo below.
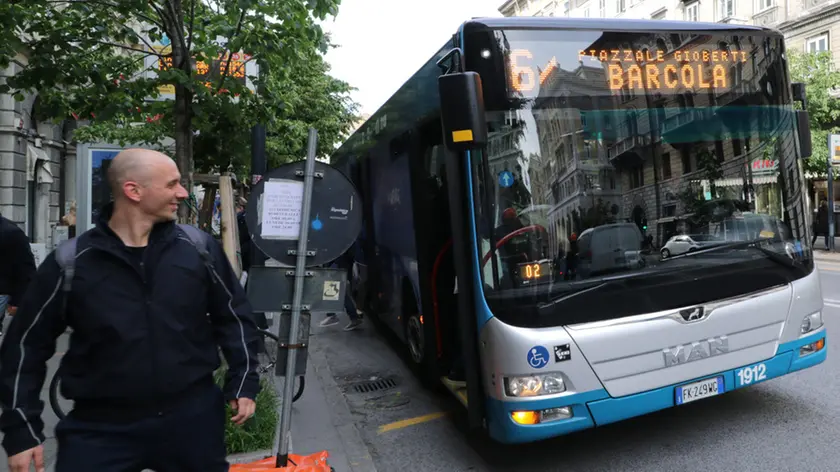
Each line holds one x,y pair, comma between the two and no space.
525,417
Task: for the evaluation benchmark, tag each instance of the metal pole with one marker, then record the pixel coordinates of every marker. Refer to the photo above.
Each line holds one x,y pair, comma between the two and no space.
259,165
830,204
294,328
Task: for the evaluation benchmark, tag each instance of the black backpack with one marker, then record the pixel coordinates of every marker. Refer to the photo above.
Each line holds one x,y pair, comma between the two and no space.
65,255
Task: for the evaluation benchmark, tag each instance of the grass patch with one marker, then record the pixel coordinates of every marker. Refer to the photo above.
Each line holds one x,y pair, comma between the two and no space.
258,432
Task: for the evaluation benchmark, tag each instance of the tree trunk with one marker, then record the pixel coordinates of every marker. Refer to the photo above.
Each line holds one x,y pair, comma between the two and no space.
184,145
183,127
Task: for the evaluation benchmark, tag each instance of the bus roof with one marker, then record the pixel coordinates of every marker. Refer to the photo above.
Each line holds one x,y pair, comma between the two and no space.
621,24
416,107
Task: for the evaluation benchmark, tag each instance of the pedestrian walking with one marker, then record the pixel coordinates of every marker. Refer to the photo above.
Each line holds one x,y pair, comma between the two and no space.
345,262
149,303
17,267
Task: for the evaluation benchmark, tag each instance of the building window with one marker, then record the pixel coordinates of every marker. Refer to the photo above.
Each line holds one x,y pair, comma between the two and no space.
602,7
727,8
764,4
666,166
817,43
637,177
586,12
686,162
692,11
621,6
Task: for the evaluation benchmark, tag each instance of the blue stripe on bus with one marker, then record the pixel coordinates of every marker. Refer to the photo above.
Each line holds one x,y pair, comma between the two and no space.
799,363
502,428
482,311
597,408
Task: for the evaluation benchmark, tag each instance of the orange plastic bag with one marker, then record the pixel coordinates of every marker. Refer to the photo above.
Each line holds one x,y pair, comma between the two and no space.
312,463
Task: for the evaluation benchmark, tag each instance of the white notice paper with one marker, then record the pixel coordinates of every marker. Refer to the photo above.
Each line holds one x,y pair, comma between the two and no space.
282,203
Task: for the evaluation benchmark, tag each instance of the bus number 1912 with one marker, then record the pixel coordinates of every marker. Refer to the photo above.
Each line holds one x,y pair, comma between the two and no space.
755,373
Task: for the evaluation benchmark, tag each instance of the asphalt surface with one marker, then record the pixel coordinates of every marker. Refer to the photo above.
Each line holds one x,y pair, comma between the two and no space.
788,423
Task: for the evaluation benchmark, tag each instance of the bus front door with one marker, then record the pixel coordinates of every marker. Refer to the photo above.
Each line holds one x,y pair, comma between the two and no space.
464,130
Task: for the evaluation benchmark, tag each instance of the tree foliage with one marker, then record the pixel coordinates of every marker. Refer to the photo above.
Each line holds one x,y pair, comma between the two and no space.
820,77
101,60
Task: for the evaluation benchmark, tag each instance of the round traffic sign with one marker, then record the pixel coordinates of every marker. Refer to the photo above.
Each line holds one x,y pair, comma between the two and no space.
274,211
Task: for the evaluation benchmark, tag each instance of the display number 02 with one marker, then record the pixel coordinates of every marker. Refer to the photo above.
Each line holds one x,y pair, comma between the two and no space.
752,374
532,271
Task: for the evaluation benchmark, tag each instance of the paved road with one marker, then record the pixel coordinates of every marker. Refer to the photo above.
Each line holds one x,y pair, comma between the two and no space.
783,424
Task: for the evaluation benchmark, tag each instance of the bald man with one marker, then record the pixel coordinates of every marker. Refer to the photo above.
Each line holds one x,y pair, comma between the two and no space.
147,318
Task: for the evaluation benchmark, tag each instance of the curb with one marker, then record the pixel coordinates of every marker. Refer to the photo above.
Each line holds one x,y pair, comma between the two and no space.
246,457
358,454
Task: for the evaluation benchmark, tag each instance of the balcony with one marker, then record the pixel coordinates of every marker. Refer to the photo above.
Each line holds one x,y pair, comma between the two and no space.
808,5
767,18
734,20
626,145
686,117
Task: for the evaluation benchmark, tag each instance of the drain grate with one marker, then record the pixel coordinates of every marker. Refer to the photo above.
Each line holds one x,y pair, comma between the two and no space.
377,385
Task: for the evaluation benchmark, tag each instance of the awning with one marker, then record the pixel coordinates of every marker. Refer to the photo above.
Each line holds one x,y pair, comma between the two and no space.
36,157
739,182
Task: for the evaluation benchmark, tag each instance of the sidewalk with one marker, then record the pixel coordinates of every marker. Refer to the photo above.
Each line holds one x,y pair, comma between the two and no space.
321,419
825,256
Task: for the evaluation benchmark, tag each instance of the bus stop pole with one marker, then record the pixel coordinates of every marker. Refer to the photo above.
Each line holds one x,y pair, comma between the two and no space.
830,202
297,300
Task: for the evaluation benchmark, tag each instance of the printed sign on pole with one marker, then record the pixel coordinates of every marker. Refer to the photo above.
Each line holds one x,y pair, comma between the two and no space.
834,149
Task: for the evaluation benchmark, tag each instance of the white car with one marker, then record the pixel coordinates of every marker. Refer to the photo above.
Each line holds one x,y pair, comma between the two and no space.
679,244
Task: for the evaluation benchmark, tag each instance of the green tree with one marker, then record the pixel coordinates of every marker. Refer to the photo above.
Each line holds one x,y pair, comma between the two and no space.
89,59
311,98
820,78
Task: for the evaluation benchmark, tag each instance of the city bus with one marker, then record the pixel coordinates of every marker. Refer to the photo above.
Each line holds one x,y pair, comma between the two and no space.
518,190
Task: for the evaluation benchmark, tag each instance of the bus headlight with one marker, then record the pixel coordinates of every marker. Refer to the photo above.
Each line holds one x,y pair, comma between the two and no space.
534,385
811,322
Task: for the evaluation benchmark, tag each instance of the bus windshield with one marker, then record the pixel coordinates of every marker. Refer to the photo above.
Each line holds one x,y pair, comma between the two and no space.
622,166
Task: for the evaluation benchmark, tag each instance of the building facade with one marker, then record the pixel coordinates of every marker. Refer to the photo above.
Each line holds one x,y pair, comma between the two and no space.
808,25
37,165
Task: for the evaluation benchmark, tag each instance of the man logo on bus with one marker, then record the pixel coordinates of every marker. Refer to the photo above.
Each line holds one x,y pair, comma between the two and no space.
695,351
693,314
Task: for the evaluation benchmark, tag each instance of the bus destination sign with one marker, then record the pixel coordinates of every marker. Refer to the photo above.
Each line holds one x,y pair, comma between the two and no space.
653,71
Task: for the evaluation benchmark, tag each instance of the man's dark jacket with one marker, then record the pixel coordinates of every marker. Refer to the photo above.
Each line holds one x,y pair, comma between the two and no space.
17,264
144,338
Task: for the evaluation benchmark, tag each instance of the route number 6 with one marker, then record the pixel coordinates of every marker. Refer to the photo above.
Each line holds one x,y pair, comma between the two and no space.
752,374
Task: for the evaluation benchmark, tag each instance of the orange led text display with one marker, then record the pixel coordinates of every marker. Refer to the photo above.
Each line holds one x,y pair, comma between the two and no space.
638,69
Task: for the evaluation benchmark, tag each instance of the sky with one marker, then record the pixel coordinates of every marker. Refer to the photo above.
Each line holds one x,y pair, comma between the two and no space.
383,42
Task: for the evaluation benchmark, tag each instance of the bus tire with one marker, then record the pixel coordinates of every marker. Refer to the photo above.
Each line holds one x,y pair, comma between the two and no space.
417,346
415,339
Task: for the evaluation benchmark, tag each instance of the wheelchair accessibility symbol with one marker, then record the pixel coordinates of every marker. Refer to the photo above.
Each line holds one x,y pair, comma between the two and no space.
331,290
538,357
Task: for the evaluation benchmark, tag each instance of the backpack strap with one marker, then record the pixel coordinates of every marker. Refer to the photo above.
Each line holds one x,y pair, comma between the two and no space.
198,238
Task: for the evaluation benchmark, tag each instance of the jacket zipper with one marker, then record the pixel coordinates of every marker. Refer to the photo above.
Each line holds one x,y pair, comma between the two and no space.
153,352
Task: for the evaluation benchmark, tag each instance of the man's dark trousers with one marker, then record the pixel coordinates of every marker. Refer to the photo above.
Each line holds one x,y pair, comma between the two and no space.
187,437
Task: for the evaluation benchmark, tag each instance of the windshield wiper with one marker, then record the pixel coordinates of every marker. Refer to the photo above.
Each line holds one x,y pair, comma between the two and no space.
751,244
610,281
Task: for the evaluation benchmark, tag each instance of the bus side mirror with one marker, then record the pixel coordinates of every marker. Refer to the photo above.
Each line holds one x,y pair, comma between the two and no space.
803,124
462,111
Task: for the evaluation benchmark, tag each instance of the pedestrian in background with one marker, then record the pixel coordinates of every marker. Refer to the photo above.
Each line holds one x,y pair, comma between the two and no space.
345,262
17,267
149,306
